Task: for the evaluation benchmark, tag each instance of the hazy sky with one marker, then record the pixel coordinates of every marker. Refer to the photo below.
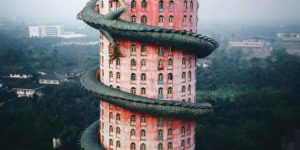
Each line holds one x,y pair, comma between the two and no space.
210,10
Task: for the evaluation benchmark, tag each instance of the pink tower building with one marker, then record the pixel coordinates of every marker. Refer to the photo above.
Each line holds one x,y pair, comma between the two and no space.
150,71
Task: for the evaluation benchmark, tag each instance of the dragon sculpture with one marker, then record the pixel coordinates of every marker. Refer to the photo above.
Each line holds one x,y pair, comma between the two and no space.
112,27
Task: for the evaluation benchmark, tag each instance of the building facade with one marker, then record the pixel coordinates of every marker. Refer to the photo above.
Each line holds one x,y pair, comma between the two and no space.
151,71
46,31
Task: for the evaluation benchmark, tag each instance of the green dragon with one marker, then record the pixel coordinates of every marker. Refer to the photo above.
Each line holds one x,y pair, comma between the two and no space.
112,27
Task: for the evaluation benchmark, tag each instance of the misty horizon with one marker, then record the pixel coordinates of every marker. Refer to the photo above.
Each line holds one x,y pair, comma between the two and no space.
231,11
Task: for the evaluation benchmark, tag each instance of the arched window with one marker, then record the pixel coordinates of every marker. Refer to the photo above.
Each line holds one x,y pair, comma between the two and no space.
160,91
190,75
110,74
144,4
111,115
143,48
111,143
132,132
170,146
183,89
102,4
143,62
144,19
143,133
160,51
170,77
160,77
182,144
133,18
169,132
160,120
191,18
118,61
110,4
118,75
133,77
170,62
160,134
118,87
111,129
132,146
118,144
183,61
118,117
118,130
189,100
171,4
161,19
133,4
170,90
143,119
161,4
143,91
133,49
171,19
185,4
110,62
184,19
189,89
160,64
183,75
182,131
143,77
160,146
133,90
191,5
188,142
133,118
143,146
133,62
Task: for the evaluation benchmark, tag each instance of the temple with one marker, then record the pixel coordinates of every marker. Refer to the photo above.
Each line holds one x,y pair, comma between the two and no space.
147,88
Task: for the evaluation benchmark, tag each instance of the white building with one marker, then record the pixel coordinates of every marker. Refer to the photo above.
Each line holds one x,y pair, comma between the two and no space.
53,78
28,90
20,75
248,44
46,31
289,36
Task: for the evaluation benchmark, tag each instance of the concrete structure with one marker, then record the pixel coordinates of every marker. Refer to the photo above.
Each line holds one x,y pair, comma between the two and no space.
151,71
52,78
46,31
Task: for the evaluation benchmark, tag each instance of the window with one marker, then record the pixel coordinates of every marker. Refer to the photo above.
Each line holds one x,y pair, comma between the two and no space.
118,87
143,119
182,144
144,19
118,62
111,129
118,117
160,64
170,77
118,75
144,4
143,62
171,19
188,142
160,134
133,4
133,49
143,91
184,19
143,48
133,18
143,77
133,62
161,5
118,144
110,4
189,100
170,120
102,4
110,74
132,146
143,146
133,118
160,77
132,132
183,75
118,130
133,90
143,133
170,62
118,4
133,77
170,90
171,4
190,75
182,131
185,5
160,91
111,143
170,145
161,19
189,89
111,115
183,89
160,51
160,146
169,132
191,5
160,120
191,18
183,61
110,62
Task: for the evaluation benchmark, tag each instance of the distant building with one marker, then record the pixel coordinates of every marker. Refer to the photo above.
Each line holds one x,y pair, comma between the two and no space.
52,78
249,43
46,31
56,142
289,36
28,90
21,74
